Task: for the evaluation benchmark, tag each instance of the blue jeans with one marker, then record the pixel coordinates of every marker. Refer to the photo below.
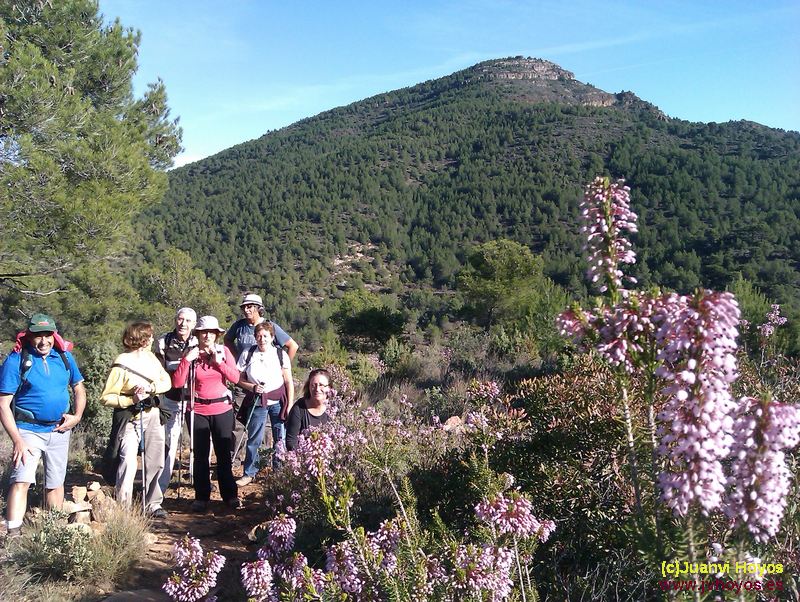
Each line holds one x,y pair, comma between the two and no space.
255,435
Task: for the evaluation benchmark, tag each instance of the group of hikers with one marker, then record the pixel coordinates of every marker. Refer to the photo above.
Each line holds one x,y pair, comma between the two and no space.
222,388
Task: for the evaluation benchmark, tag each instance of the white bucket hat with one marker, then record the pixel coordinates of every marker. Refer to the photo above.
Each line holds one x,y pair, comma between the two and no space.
208,323
252,299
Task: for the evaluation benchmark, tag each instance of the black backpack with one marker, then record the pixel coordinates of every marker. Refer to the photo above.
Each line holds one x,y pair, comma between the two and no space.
249,355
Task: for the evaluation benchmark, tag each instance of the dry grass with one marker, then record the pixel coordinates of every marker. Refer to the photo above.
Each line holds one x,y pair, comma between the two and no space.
53,561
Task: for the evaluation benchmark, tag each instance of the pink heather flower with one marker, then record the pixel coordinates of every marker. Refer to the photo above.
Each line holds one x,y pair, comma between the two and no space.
280,536
476,421
627,331
766,330
479,570
483,391
383,544
774,316
197,572
576,324
299,578
513,515
698,341
546,529
437,575
187,551
774,319
623,334
605,216
760,478
371,416
315,452
257,580
341,563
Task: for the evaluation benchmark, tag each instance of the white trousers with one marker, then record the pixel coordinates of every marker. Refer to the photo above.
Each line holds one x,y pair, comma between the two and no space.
172,433
152,462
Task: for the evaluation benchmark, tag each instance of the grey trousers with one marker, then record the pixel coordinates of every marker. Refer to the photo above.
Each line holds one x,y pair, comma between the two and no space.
152,463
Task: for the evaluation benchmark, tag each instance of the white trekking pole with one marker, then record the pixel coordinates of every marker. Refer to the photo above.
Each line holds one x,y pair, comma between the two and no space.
191,423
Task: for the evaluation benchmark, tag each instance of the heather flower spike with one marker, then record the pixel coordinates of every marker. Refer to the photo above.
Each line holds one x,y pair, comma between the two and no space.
774,319
697,337
257,580
513,515
760,479
606,215
196,571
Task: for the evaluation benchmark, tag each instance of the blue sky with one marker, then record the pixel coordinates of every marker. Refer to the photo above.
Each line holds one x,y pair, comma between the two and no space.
236,70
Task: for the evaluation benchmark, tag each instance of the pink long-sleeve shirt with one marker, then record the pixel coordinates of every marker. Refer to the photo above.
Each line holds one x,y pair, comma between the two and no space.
210,382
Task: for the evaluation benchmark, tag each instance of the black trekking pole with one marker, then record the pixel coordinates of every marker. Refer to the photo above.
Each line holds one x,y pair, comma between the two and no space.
245,435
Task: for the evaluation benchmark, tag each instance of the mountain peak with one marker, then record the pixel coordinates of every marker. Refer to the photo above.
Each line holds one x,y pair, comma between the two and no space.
520,67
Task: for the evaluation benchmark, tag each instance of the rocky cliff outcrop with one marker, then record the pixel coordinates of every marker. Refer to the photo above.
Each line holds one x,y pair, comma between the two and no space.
523,68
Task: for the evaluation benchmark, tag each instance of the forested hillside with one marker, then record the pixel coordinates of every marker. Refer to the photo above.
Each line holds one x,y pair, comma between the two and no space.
400,185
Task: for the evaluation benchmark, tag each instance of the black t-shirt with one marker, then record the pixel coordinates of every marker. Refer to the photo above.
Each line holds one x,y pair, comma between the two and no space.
299,420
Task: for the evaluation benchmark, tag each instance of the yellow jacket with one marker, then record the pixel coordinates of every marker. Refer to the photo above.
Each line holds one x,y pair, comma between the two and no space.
121,383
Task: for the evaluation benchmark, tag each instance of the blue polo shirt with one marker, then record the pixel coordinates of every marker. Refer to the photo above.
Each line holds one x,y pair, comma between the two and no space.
45,393
241,336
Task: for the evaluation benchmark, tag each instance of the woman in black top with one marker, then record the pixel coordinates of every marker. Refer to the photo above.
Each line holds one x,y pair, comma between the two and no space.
311,409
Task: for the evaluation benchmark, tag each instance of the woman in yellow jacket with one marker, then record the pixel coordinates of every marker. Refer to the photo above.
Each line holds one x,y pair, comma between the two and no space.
135,378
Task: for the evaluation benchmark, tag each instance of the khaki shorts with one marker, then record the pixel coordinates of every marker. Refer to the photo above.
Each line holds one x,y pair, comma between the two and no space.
55,447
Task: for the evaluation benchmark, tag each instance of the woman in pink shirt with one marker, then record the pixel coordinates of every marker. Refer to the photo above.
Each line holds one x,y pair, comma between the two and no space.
214,368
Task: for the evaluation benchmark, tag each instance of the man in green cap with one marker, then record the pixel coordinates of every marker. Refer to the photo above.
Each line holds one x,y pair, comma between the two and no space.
35,412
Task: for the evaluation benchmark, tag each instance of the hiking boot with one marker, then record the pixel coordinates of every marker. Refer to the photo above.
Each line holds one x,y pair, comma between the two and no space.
234,503
245,480
159,513
200,506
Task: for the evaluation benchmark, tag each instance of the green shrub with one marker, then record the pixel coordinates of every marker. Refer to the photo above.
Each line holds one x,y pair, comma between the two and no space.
393,353
96,423
55,553
52,549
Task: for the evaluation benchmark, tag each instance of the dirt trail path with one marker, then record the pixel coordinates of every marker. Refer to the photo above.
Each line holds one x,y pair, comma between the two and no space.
220,529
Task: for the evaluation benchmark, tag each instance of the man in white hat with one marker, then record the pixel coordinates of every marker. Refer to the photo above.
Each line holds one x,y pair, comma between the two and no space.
240,337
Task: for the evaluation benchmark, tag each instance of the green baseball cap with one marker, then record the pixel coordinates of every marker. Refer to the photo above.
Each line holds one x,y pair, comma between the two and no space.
42,323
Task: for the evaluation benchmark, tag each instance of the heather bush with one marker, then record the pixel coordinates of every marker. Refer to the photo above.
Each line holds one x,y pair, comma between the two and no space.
399,556
716,465
364,443
195,573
